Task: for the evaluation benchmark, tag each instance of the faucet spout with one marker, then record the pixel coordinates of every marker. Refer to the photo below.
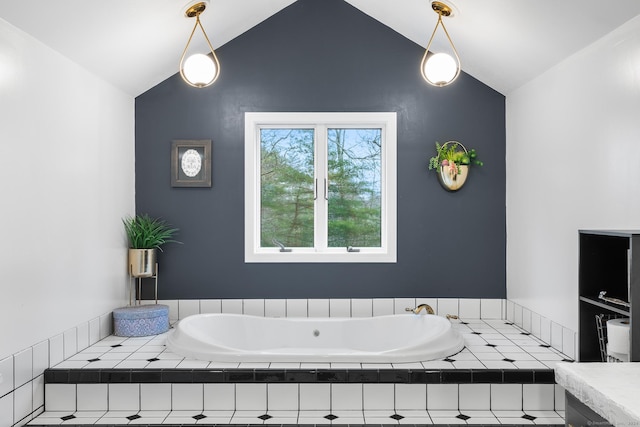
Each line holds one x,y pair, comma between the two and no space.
419,308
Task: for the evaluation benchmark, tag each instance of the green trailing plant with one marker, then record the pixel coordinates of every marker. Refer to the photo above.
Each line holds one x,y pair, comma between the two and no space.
453,155
145,232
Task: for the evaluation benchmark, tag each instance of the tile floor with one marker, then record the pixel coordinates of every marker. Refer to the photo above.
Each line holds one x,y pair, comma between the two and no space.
492,344
301,417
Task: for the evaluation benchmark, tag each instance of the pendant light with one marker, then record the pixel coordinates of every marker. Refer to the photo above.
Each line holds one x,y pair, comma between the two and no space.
199,70
440,69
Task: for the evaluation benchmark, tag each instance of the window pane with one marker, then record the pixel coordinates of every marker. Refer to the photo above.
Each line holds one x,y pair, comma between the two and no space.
354,187
286,187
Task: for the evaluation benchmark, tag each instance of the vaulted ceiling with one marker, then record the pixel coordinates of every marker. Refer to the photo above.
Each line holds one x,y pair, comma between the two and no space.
136,44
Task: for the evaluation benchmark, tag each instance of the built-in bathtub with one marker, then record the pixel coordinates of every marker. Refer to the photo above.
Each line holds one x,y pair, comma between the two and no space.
382,339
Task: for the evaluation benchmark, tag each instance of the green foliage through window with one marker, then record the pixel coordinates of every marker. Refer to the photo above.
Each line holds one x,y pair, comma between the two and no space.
354,157
289,188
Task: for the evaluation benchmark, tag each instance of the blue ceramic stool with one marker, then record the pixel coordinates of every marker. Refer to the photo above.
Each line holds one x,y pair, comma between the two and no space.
140,320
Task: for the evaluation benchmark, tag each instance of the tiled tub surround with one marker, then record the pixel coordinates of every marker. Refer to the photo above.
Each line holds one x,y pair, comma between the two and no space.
503,376
22,388
561,338
489,344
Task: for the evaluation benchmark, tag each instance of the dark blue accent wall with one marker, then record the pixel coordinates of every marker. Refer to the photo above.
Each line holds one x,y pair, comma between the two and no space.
327,56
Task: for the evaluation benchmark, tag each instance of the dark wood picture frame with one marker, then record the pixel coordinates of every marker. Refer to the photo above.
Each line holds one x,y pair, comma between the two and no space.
193,170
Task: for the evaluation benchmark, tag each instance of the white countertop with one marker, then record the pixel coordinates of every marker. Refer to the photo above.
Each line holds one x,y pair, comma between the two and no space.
611,389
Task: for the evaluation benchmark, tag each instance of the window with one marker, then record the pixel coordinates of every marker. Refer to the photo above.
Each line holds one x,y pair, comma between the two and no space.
320,187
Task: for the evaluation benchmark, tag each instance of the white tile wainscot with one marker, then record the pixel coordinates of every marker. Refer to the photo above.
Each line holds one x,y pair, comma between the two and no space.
609,389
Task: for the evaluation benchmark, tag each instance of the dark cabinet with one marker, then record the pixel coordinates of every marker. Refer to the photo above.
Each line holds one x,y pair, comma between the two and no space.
609,261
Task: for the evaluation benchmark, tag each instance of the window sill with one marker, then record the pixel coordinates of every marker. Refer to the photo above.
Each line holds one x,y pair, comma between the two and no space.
315,257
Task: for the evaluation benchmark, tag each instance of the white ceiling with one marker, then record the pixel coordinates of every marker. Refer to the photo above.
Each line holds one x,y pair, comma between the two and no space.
136,44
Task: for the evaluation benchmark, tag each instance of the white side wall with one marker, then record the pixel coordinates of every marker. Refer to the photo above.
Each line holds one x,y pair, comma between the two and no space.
66,179
573,162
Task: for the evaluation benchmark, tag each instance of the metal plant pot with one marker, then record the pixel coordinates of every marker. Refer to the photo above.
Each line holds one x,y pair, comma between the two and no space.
453,178
142,262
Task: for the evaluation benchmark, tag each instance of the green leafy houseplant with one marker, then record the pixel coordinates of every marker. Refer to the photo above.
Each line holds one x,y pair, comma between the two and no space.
145,232
453,155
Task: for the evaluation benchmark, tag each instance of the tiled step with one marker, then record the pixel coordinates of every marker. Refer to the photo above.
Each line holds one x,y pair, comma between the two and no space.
295,389
200,396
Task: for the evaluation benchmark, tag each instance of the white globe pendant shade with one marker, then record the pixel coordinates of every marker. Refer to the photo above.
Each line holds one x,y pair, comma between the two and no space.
199,70
440,69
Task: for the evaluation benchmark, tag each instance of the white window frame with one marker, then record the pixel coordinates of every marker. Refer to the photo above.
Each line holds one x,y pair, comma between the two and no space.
254,121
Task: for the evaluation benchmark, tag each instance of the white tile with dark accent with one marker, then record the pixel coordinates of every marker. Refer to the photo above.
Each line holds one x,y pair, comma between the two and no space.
447,417
339,417
348,417
414,417
216,417
478,417
314,417
378,417
491,344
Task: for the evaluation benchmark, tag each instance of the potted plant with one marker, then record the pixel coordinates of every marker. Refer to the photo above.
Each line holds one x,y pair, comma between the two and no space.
145,235
451,163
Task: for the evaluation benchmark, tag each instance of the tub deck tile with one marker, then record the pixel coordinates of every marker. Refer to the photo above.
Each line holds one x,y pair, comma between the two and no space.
495,349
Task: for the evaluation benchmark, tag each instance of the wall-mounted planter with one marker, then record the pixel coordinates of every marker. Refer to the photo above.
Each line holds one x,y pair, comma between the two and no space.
451,163
452,178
